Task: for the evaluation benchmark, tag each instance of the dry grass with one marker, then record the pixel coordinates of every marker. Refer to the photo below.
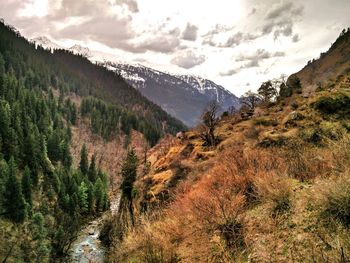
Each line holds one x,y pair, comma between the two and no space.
245,204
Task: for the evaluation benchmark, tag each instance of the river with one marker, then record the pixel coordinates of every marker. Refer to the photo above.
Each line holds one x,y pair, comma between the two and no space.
87,248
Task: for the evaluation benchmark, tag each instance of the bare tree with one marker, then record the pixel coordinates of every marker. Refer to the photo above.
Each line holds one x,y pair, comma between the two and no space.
209,122
249,101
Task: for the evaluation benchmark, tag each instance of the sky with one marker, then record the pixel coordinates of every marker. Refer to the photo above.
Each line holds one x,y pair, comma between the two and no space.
235,43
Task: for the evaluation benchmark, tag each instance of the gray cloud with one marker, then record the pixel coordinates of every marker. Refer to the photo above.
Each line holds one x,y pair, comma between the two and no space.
280,19
253,60
190,32
162,44
252,12
110,30
234,40
188,59
296,38
131,4
278,10
227,73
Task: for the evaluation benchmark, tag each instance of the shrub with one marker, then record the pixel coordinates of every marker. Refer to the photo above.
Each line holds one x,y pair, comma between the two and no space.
273,141
294,105
265,122
276,191
311,135
333,105
252,133
336,201
332,130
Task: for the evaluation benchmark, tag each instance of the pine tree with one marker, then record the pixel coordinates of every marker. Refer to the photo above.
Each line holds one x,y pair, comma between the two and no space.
92,173
39,234
129,173
4,170
84,162
129,170
27,186
91,198
14,203
66,156
83,197
99,195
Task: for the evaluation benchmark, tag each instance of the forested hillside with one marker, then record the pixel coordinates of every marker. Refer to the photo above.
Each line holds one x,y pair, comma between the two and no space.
44,199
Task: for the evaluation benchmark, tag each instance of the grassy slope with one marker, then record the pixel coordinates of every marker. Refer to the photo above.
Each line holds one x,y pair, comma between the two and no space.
261,195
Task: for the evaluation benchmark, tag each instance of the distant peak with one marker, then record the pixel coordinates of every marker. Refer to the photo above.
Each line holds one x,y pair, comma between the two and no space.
45,42
77,49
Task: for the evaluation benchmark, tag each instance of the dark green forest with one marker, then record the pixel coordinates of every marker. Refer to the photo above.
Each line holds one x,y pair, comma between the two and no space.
44,200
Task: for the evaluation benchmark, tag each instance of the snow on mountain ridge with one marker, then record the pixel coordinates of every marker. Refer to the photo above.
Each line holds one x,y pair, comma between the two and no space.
84,51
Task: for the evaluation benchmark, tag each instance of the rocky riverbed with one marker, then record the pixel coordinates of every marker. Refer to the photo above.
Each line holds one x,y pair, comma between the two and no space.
87,248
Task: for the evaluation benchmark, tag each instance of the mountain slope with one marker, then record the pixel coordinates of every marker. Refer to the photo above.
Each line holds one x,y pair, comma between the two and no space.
332,64
182,96
88,79
274,189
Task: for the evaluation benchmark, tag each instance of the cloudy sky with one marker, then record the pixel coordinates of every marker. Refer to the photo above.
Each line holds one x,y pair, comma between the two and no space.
236,43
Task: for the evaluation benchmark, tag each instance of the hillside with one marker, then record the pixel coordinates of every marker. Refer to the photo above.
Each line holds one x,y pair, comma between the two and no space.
182,96
64,124
330,68
274,189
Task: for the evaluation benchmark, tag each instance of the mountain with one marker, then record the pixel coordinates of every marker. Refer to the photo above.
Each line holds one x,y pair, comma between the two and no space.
45,43
329,68
79,50
182,96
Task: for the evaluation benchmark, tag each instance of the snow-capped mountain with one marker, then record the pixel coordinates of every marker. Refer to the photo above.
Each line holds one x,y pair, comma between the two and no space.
79,50
183,96
45,43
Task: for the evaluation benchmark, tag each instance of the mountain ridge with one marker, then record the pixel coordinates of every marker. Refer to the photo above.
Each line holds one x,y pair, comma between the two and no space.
166,89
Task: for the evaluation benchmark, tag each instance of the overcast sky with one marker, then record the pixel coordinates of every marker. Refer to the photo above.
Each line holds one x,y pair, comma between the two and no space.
235,43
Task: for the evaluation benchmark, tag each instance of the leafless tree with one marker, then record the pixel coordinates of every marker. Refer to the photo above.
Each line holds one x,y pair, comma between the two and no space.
209,123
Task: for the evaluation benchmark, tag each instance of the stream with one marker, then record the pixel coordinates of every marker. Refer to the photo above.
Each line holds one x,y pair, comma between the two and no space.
87,248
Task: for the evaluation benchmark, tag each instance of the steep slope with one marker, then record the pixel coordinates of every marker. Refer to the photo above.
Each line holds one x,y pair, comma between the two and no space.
182,96
275,188
329,68
64,122
87,79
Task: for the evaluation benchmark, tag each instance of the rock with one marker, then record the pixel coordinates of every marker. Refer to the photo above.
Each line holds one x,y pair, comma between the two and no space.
292,117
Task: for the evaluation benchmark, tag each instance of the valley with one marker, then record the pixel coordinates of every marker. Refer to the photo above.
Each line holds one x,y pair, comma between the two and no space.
110,161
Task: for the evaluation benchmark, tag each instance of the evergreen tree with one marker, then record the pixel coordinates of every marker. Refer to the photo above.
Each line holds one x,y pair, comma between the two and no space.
84,162
91,198
83,197
27,186
39,233
92,173
66,156
14,203
129,173
99,195
129,170
3,178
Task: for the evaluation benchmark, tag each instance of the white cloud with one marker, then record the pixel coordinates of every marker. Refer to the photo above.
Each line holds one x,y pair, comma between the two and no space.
218,39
